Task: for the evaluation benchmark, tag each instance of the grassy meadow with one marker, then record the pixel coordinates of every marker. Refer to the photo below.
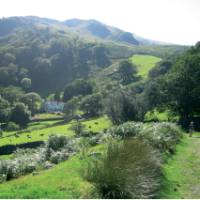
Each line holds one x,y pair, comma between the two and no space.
40,131
144,63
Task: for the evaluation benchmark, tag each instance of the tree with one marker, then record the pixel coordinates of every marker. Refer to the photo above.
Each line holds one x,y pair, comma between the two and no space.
26,83
33,101
78,128
4,110
160,69
127,72
11,94
57,96
154,93
100,56
182,85
121,106
78,87
70,107
20,114
91,105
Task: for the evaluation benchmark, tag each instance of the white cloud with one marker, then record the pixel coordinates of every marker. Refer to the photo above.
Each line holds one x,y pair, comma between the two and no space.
175,21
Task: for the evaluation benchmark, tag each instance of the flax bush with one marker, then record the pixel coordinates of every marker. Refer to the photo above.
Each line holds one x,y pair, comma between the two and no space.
128,169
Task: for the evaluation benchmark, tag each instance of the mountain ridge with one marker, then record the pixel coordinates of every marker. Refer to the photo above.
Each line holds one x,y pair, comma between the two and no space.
89,28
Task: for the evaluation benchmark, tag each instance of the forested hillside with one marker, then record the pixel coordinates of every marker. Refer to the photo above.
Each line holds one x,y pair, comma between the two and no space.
49,54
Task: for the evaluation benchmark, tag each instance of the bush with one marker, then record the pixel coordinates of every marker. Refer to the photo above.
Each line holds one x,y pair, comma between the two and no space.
130,169
57,157
28,160
56,142
163,136
12,126
78,128
10,169
128,129
20,114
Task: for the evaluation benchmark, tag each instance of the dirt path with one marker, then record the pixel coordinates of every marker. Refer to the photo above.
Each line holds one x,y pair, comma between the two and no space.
183,170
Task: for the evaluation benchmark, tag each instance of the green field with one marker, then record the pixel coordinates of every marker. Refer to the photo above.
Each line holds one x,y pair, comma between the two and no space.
144,63
62,181
42,134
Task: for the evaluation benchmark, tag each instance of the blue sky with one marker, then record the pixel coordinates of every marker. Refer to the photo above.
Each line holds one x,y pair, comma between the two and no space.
175,21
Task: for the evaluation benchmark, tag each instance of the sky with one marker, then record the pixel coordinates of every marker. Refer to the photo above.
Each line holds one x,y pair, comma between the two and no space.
173,21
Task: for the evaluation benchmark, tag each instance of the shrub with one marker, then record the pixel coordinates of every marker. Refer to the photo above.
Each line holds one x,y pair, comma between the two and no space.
18,166
12,126
163,136
3,168
130,169
57,157
28,160
78,128
56,142
128,129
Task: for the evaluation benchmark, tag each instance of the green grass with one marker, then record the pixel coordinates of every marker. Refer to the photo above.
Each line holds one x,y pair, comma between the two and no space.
182,171
43,124
34,126
5,157
65,129
144,63
62,181
156,115
43,116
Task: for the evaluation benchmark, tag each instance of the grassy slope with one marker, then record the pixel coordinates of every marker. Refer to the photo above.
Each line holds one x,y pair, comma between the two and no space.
183,171
144,63
103,122
43,116
62,181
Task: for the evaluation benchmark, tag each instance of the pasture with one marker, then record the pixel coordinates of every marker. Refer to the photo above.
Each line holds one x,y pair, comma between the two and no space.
144,63
42,130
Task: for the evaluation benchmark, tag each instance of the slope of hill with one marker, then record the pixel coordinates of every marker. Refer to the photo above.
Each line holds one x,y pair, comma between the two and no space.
97,29
51,54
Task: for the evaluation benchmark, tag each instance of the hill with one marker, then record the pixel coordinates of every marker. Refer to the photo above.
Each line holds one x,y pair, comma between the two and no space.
97,29
51,54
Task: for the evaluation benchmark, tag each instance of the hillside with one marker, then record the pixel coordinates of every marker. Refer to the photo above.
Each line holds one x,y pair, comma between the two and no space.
51,54
99,30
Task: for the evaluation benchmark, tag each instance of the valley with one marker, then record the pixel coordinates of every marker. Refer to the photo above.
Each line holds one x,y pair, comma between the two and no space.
88,110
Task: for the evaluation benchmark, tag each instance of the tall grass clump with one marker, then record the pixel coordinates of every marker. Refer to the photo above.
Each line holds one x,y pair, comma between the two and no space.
128,169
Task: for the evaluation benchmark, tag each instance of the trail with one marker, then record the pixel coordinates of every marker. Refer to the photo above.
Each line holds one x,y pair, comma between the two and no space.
183,170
